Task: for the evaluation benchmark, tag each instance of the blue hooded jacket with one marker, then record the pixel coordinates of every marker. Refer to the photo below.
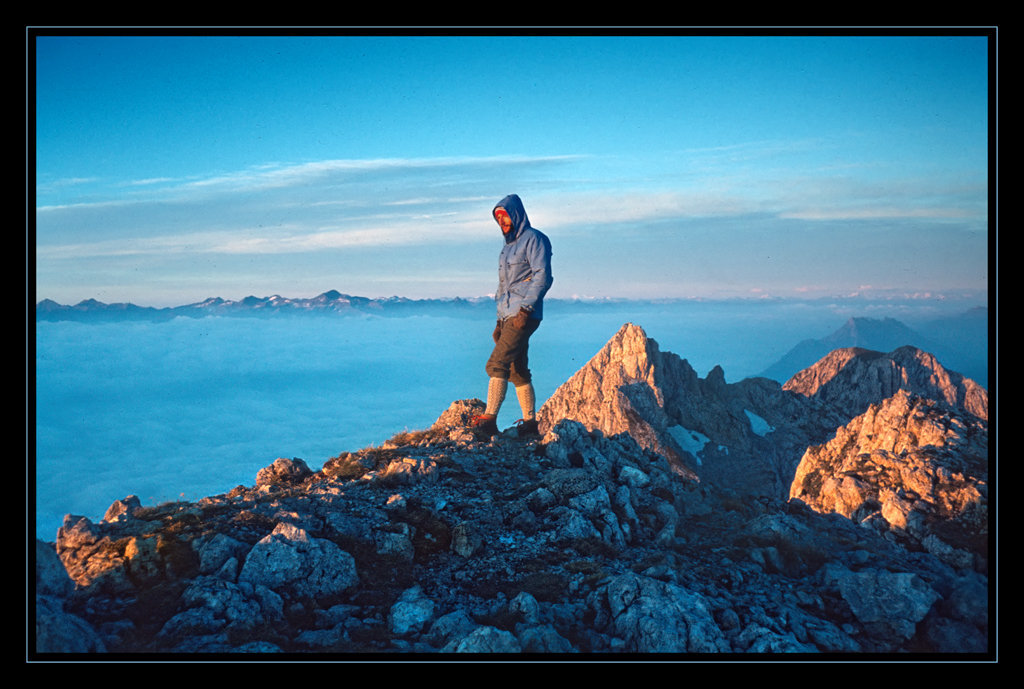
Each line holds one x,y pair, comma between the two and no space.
524,266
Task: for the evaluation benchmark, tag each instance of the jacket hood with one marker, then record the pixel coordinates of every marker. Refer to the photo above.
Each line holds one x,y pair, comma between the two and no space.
514,207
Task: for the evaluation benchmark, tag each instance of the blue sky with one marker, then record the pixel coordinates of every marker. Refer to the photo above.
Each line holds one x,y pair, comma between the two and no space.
174,168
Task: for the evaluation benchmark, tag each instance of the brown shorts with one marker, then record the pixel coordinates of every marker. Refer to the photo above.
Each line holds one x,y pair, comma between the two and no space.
509,359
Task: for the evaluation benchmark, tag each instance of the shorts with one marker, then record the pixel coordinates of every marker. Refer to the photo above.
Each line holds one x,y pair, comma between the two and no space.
510,360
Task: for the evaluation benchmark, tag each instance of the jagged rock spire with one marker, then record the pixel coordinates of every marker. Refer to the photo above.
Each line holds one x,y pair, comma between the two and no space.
620,390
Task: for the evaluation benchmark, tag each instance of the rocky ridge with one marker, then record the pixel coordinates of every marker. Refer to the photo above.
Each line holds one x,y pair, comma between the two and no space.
850,379
331,302
633,529
960,341
910,466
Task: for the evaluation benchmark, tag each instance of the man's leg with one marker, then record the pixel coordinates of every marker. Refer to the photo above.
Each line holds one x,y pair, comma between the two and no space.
496,388
527,401
508,361
509,358
521,377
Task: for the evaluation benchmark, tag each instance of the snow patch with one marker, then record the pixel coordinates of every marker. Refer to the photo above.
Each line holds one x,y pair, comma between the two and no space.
757,424
691,441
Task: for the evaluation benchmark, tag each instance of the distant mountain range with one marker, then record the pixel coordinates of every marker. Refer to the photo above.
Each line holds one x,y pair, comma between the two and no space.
961,342
330,302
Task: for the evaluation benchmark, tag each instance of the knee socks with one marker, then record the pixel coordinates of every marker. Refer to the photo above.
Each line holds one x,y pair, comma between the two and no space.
496,389
527,401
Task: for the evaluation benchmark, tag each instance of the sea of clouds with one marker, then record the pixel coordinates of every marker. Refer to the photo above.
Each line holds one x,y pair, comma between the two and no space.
194,407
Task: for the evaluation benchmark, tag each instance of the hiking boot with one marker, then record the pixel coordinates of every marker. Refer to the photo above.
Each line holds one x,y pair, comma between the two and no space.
527,429
484,426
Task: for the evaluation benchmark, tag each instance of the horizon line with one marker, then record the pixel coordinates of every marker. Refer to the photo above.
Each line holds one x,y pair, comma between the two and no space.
885,295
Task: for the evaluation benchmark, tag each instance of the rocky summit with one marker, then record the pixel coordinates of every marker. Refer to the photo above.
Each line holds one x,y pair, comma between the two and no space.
658,515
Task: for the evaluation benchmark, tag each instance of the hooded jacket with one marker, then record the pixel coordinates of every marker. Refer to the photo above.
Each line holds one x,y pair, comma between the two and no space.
524,266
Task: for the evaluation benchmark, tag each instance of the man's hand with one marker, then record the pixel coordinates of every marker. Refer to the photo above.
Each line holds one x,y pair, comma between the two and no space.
519,320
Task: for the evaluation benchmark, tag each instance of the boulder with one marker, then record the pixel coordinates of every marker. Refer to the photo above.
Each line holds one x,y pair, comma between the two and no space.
283,472
292,563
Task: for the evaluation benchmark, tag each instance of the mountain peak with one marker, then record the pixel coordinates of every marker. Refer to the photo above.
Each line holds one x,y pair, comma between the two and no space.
620,391
707,428
853,378
868,332
877,334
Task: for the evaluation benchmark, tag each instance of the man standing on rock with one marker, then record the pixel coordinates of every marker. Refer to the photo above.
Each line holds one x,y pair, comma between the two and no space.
524,277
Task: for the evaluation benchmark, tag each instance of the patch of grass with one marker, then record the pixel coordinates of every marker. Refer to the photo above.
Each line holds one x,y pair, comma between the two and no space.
251,526
348,466
412,438
161,511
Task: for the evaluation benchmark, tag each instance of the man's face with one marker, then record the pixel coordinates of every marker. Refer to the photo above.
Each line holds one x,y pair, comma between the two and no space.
504,221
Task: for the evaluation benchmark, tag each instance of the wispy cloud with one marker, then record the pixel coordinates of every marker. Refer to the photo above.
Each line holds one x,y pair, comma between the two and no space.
280,175
339,204
366,232
379,218
877,213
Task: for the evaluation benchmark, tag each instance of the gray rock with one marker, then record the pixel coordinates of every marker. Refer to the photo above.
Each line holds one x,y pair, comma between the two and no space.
541,499
853,379
543,639
51,577
955,636
466,540
215,551
58,631
450,629
918,466
892,601
489,640
758,639
583,541
651,616
225,602
283,472
122,509
569,483
289,561
633,477
194,622
322,639
525,606
395,543
570,525
412,612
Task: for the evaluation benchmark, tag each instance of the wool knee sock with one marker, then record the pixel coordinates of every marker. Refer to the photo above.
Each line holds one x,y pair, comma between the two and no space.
496,389
527,401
